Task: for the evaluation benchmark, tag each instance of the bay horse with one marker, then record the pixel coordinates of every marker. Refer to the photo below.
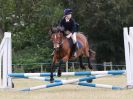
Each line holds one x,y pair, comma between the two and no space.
63,49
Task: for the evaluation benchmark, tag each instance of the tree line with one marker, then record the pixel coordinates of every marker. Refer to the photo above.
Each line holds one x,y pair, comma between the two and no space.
102,22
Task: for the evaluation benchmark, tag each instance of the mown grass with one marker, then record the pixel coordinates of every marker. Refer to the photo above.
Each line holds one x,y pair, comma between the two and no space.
69,91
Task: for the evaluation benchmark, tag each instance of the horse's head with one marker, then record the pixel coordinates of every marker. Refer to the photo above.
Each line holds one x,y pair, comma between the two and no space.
57,36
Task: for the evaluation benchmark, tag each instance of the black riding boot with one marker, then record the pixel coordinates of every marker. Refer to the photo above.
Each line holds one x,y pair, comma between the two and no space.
74,49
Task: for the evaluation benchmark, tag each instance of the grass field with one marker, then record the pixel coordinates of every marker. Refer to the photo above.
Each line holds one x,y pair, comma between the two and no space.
69,91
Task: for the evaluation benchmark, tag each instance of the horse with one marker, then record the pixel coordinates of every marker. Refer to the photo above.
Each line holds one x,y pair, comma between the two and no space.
63,49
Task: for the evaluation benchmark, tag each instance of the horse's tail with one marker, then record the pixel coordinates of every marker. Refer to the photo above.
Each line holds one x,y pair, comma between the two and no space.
92,54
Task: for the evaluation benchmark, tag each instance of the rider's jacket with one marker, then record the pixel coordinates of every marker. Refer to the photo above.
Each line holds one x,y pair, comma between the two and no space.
71,25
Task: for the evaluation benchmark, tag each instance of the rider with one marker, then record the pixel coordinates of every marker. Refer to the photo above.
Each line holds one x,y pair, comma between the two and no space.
68,23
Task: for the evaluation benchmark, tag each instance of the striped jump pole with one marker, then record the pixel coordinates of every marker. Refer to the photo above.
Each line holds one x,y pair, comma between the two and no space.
81,83
62,83
100,86
57,80
22,75
43,79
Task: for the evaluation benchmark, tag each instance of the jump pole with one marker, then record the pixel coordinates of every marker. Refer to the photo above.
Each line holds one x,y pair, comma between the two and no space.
100,86
62,82
81,83
23,75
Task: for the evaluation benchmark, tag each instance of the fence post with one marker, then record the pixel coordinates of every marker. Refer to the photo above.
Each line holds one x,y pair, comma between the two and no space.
73,67
107,64
128,44
41,68
6,61
67,66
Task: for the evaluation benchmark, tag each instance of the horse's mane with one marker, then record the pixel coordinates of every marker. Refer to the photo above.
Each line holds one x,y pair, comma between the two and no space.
56,29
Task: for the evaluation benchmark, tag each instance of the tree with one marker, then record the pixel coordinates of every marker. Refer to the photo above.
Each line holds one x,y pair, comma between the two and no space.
102,21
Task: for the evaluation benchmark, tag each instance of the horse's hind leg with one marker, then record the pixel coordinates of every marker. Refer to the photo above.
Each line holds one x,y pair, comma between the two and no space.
88,58
89,63
81,63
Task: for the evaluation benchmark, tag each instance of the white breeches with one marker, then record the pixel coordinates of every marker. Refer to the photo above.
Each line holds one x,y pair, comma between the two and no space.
74,37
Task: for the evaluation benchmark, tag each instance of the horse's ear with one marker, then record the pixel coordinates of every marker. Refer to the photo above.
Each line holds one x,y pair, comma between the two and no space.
60,29
50,31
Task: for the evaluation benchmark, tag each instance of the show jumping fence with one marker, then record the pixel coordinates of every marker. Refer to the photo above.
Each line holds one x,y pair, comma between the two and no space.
6,74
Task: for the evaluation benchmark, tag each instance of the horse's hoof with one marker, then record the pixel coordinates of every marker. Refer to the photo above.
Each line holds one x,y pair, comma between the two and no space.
51,80
59,73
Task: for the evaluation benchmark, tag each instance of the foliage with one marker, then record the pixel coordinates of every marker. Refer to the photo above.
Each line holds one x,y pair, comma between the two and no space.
29,21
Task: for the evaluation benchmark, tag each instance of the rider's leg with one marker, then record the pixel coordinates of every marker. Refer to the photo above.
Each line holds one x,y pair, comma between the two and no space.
74,39
74,43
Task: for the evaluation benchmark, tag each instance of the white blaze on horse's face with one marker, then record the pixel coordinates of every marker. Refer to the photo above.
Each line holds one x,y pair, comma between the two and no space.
55,40
55,36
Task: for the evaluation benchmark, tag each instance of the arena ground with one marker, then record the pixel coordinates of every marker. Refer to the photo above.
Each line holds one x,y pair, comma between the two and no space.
69,91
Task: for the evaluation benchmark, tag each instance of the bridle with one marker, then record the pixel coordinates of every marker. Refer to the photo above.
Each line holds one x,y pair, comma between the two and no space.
59,44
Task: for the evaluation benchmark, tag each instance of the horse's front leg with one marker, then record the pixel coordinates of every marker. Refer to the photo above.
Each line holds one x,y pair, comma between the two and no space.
59,69
51,75
63,60
52,68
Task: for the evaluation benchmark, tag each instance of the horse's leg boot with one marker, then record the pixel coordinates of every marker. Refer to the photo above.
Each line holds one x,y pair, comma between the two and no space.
51,74
59,73
51,80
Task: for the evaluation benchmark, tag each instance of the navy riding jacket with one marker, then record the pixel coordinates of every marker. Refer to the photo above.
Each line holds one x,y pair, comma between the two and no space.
71,25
